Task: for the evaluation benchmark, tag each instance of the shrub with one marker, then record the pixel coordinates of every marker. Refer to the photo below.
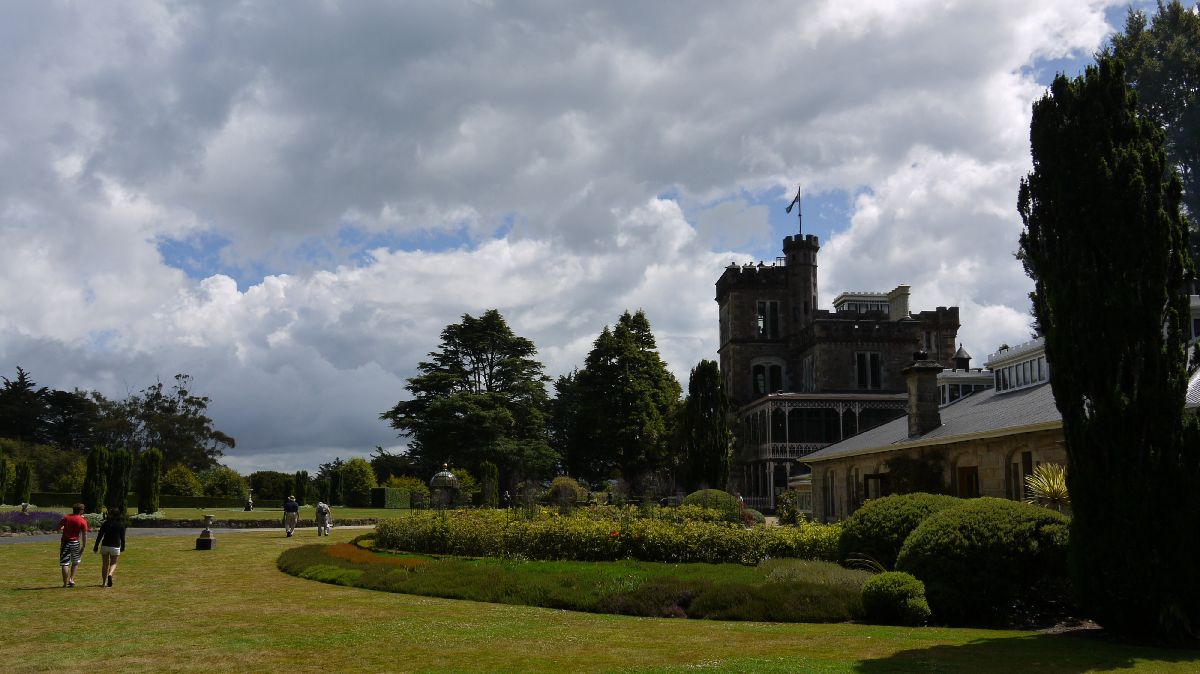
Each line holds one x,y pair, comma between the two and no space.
224,482
418,491
787,507
565,492
987,559
751,517
547,535
358,479
717,500
877,530
895,598
179,480
272,486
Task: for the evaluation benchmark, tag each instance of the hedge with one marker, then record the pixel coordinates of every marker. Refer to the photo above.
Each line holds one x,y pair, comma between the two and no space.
895,598
387,497
486,533
877,530
47,499
989,561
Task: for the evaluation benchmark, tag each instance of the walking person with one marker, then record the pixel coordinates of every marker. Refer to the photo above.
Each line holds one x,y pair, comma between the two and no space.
110,543
291,514
74,530
324,518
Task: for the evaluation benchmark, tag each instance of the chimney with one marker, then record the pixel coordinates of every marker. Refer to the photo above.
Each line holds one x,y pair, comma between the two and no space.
898,302
923,395
962,359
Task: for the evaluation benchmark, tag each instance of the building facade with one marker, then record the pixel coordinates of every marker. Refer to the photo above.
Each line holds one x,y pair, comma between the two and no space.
802,378
984,443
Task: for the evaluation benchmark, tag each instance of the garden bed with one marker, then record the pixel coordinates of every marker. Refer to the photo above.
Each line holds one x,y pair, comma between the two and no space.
780,590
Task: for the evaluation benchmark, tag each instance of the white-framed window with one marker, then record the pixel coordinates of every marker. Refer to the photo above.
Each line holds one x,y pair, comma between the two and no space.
768,319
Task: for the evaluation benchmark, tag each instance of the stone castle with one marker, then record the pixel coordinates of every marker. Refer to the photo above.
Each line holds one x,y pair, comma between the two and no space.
800,377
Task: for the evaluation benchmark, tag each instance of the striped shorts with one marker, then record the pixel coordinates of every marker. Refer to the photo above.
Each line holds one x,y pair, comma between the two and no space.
69,553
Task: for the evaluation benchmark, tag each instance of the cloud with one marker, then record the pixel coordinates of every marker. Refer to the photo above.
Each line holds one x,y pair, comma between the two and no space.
367,172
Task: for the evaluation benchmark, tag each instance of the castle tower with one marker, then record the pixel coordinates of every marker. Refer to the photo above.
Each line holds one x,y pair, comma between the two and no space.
800,253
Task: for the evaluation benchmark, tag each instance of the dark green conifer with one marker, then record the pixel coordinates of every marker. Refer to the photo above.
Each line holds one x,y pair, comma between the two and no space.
1106,246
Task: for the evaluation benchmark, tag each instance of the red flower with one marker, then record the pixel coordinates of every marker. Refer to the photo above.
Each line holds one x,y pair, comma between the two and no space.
615,534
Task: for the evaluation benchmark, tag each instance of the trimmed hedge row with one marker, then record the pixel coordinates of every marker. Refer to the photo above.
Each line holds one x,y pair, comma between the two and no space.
389,497
485,533
45,499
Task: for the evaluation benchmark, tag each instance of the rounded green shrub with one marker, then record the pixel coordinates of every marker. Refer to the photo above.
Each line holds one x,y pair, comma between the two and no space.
716,500
565,491
877,530
895,598
787,507
755,516
989,560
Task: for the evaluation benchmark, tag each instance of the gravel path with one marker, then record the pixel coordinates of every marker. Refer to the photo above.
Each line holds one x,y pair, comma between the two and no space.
138,532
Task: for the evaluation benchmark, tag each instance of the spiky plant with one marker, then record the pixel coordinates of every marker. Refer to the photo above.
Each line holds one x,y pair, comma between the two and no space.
1048,487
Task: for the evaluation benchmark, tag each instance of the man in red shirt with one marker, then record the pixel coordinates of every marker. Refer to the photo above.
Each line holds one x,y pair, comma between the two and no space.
74,530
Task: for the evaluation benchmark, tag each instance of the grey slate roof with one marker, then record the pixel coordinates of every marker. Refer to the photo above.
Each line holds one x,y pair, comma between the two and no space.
1193,391
984,412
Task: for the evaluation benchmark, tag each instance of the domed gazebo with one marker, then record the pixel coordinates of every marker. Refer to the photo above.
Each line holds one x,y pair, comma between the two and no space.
443,487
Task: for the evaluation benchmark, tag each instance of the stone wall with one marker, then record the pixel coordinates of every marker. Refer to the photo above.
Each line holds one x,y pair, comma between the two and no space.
992,457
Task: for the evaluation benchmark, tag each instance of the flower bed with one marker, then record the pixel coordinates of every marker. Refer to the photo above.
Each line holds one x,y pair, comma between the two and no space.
488,533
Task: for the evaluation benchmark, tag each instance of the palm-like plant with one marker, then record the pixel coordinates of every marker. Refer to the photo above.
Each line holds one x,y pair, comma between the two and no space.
1047,487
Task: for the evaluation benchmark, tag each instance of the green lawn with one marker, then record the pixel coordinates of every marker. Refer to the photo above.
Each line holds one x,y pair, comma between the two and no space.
306,512
231,609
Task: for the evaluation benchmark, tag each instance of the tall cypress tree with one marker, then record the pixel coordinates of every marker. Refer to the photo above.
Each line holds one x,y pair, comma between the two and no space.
149,483
1106,246
95,482
489,478
24,482
705,428
5,473
300,487
120,477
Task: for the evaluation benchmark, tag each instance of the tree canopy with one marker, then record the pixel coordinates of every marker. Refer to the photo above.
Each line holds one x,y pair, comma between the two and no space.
1105,244
481,396
1162,65
704,429
624,404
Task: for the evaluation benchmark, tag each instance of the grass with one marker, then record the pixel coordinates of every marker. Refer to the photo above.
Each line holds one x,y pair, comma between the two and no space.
306,512
231,609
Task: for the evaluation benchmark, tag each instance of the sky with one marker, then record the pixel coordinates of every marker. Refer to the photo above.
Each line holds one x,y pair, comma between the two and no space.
290,200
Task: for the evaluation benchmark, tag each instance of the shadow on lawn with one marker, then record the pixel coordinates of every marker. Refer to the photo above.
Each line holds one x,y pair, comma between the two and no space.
1071,652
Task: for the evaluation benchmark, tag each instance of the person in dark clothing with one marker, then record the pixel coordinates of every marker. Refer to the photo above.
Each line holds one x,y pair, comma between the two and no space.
110,543
291,514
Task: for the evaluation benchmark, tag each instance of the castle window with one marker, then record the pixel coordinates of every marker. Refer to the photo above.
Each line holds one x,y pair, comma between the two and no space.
768,319
868,370
768,378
